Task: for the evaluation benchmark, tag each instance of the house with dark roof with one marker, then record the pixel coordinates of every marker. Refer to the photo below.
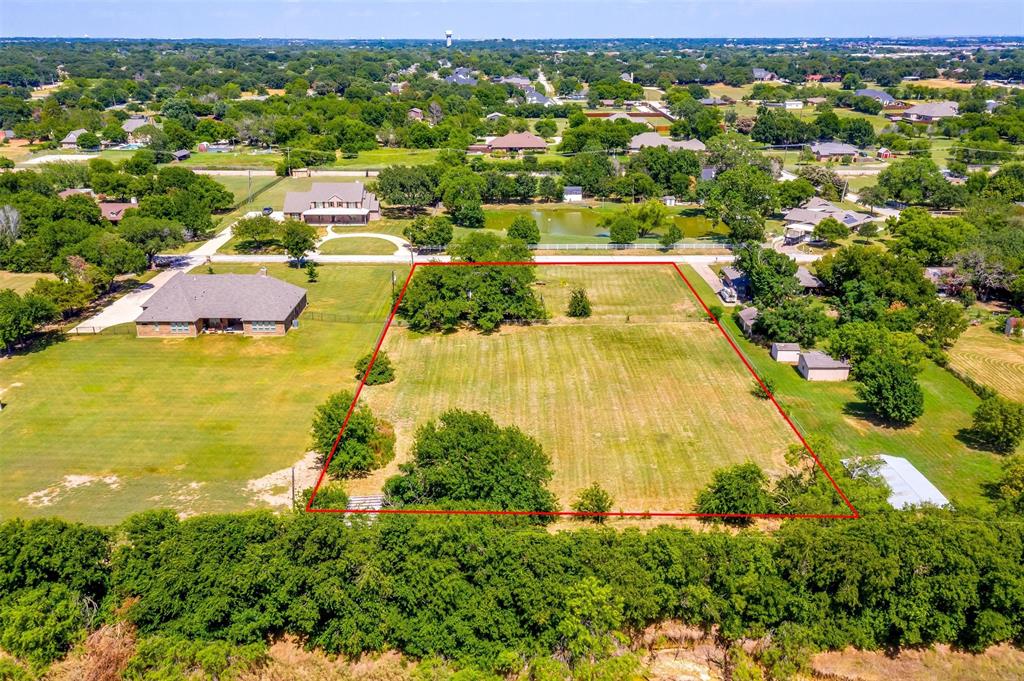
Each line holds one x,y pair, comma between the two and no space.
734,278
746,317
333,203
653,139
518,141
817,366
817,209
807,281
880,96
833,151
572,194
250,304
70,140
461,76
181,154
131,126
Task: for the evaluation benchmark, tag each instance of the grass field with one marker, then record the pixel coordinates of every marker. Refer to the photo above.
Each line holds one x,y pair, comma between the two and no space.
357,246
21,283
833,410
992,359
240,187
645,397
110,425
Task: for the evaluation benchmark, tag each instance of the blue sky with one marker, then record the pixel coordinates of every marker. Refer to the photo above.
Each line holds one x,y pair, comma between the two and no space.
341,19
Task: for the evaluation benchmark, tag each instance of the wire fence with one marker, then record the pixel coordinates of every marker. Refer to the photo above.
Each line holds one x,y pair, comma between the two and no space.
118,330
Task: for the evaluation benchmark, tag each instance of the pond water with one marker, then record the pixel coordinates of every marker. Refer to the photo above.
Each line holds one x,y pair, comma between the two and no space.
581,225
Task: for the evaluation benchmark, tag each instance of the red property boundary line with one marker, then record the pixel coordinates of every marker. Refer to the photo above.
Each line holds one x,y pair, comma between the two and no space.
642,514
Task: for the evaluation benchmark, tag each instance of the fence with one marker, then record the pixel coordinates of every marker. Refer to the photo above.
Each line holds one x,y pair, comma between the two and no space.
695,246
118,330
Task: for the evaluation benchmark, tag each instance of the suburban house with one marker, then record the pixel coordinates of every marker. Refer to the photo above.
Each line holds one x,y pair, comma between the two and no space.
817,366
747,316
461,76
716,101
806,217
928,112
534,97
833,151
653,139
415,114
132,124
786,353
251,304
815,101
572,194
880,96
807,281
114,211
763,75
789,105
656,120
734,278
75,191
345,203
515,81
518,141
70,140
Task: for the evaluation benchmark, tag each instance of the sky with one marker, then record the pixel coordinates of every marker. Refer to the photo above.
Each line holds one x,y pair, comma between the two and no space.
372,19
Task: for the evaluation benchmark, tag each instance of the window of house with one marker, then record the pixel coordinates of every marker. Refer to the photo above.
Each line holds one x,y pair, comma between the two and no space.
179,327
264,327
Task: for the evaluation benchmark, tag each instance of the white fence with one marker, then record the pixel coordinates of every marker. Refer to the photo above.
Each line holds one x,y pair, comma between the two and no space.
696,246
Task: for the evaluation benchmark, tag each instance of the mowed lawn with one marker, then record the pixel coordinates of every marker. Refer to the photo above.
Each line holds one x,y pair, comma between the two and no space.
645,397
992,359
357,246
833,411
182,423
19,282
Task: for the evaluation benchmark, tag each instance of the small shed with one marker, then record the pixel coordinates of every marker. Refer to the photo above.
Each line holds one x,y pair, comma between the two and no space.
786,353
572,194
669,200
808,281
747,316
817,366
181,154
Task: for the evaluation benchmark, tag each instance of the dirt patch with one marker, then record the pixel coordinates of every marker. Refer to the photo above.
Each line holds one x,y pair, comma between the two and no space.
275,489
50,495
182,497
999,663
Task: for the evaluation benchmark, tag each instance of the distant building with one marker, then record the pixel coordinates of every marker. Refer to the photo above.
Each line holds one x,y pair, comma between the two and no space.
518,141
833,151
816,209
669,200
1014,326
807,281
70,140
495,115
113,211
415,114
131,126
653,139
940,277
817,366
929,112
461,76
76,191
181,154
786,353
250,304
763,75
734,278
572,194
345,203
880,96
815,101
789,105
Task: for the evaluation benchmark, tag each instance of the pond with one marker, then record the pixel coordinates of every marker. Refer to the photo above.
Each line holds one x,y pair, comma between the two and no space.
582,225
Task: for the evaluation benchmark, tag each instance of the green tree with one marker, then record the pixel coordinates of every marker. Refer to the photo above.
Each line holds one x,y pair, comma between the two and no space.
433,231
794,320
593,499
524,228
890,389
312,275
742,197
592,614
999,423
549,189
545,127
670,236
409,186
297,238
366,444
466,458
579,303
740,489
830,230
88,140
622,228
383,371
42,623
151,235
1009,488
256,232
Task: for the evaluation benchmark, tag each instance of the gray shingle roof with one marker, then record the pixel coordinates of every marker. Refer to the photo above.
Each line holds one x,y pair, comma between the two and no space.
879,95
345,192
806,279
133,124
934,110
786,347
815,359
518,140
72,137
653,139
249,297
833,149
748,314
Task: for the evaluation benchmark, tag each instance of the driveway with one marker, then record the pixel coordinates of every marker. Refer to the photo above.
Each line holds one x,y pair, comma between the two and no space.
128,307
709,276
401,245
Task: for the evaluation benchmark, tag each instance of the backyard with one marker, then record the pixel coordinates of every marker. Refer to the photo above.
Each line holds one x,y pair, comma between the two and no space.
992,359
96,428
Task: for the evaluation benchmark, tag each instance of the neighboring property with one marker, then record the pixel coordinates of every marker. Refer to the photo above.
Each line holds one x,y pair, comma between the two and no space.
518,141
70,140
786,353
833,151
534,97
763,75
734,278
518,81
572,194
817,366
493,116
6,135
815,101
415,114
907,486
880,96
251,304
669,200
131,125
716,101
76,191
1014,326
789,105
181,154
345,203
928,112
808,281
653,139
747,316
461,76
114,210
708,173
817,209
940,277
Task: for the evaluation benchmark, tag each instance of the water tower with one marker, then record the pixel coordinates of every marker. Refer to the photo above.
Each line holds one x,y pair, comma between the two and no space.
448,38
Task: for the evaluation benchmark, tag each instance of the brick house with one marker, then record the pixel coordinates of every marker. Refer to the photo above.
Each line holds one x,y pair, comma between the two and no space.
250,304
333,203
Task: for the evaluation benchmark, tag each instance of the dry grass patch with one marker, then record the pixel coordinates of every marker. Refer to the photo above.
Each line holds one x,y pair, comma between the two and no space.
991,359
